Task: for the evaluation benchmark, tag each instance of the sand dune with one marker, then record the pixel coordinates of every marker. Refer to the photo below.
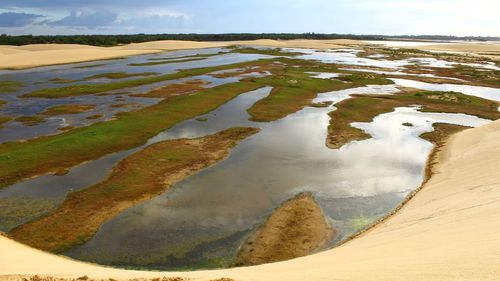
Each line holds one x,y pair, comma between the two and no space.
448,231
19,57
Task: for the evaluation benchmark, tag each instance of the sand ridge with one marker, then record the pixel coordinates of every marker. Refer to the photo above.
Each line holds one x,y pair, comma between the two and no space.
20,57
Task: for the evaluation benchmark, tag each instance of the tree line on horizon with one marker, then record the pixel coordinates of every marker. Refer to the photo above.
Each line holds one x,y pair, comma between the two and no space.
114,40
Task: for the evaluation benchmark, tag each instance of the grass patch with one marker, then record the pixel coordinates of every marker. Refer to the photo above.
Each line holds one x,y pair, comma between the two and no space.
139,177
30,120
4,119
294,89
119,75
8,86
20,160
68,109
85,89
363,108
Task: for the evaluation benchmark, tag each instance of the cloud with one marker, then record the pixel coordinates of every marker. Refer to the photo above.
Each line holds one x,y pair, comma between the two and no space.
11,19
91,20
153,23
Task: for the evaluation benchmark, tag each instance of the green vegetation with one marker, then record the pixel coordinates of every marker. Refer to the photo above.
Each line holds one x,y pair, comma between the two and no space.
119,75
20,160
7,86
362,79
363,108
68,109
175,89
30,120
4,119
294,89
360,223
483,77
137,178
113,40
84,89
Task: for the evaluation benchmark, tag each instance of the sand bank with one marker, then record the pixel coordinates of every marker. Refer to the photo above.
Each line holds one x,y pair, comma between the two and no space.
448,231
19,57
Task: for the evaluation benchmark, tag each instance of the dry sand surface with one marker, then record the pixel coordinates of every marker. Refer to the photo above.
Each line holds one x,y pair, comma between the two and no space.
49,54
19,57
448,231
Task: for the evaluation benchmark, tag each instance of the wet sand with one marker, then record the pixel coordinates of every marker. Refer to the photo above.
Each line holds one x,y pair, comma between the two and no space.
448,231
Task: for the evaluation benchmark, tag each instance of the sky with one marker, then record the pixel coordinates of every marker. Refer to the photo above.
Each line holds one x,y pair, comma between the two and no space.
385,17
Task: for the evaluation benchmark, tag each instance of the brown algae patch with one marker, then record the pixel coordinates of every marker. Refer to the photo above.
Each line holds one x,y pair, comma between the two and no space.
297,228
30,120
68,109
119,75
95,116
139,177
175,89
4,119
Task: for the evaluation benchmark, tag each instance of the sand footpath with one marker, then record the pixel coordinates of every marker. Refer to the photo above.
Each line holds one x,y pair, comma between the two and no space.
448,231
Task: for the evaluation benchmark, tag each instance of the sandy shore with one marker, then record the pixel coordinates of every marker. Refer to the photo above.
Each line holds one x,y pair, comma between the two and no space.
19,57
448,231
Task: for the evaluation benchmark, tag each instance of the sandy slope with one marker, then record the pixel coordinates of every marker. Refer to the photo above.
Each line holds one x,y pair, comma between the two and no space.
448,231
49,54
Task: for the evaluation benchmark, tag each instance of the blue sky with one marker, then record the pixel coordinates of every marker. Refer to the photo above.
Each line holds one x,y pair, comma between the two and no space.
388,17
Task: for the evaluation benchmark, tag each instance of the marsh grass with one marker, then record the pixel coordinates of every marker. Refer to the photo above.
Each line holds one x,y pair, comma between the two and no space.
17,210
86,89
175,89
8,86
139,177
363,108
67,109
4,119
119,75
30,120
20,160
294,89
